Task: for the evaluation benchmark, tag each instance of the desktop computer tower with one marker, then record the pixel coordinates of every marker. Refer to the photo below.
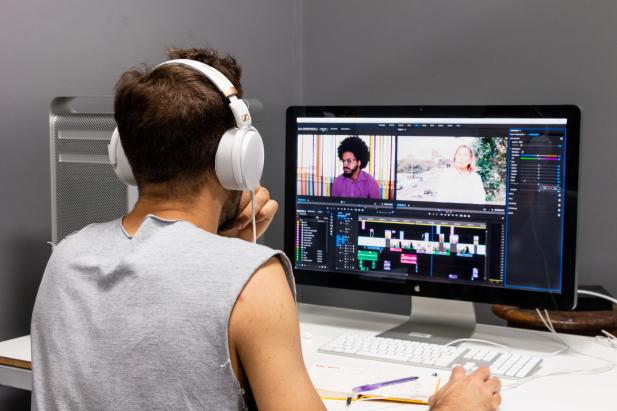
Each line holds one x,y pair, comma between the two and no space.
84,187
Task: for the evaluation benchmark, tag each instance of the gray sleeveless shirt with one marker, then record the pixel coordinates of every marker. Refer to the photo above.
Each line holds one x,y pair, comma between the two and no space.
136,323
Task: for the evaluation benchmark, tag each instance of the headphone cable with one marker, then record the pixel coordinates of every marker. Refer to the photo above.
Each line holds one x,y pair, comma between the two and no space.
253,215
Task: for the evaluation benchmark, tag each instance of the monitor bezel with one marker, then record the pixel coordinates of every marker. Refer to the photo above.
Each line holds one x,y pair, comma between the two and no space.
518,297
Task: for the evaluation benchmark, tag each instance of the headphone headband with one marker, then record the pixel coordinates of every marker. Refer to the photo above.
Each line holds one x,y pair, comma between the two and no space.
239,157
238,107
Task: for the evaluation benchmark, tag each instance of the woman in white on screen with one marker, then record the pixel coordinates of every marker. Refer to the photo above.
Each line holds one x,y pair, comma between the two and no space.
461,183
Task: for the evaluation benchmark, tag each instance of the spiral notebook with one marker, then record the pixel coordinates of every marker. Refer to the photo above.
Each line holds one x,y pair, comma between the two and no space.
334,382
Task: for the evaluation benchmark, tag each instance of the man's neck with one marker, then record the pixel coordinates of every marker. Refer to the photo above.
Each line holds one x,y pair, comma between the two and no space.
356,174
202,210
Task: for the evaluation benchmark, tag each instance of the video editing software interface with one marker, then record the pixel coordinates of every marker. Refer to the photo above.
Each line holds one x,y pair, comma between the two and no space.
475,201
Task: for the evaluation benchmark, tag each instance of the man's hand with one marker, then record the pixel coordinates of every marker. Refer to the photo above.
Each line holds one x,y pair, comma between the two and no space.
473,392
265,209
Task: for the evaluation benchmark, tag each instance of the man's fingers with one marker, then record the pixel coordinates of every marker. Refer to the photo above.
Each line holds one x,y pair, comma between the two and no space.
261,224
496,400
431,400
494,385
246,196
457,372
483,373
265,222
263,212
262,196
245,199
267,211
247,232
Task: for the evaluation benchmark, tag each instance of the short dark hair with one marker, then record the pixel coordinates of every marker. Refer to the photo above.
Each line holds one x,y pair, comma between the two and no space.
172,118
358,147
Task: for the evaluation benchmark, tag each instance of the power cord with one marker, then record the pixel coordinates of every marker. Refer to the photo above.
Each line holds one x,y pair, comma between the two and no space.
503,346
478,340
610,340
593,293
547,322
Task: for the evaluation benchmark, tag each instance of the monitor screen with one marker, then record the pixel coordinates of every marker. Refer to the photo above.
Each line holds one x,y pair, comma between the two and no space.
471,203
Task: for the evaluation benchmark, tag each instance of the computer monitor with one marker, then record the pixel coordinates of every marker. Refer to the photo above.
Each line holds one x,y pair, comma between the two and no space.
463,203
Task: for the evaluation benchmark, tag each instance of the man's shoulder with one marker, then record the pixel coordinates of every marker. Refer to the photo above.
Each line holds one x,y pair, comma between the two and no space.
214,244
245,246
366,176
89,240
94,231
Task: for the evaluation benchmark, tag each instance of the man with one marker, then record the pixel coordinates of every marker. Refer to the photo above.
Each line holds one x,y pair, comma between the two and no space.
163,308
354,182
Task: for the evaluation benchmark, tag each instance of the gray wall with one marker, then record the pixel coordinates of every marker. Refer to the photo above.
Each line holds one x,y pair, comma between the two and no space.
76,47
478,52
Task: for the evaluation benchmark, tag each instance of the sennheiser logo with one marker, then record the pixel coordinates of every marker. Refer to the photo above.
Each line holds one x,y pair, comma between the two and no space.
245,117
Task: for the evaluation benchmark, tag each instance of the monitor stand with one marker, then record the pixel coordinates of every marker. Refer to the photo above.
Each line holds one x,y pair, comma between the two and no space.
436,321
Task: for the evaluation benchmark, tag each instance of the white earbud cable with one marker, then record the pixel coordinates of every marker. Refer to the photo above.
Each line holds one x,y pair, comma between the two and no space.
253,213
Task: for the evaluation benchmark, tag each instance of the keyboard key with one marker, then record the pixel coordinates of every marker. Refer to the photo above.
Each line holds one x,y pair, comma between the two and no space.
490,355
528,367
517,365
503,358
506,366
479,355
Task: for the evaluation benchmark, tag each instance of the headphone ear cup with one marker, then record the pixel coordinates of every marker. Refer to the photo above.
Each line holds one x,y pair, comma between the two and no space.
240,158
223,163
252,158
119,161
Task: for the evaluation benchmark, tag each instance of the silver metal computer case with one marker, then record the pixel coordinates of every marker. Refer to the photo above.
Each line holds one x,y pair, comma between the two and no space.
84,187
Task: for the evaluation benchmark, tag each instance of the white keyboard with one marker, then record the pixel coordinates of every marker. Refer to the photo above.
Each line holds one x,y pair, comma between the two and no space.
501,364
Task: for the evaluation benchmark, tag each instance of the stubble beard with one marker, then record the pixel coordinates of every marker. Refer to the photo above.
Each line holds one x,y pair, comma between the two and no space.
349,172
230,211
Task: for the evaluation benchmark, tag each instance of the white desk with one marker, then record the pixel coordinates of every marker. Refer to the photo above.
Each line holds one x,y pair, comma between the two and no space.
15,363
563,392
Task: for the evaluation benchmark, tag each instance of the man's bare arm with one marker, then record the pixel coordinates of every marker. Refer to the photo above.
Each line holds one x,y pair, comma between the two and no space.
265,334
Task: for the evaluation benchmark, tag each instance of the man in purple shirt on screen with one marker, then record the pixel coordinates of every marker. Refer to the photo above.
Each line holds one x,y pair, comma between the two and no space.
354,182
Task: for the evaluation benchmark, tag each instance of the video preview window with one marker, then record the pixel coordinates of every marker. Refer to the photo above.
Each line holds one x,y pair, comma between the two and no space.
468,170
346,166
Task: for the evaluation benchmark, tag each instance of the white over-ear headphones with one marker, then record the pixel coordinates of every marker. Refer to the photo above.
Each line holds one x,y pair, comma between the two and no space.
240,155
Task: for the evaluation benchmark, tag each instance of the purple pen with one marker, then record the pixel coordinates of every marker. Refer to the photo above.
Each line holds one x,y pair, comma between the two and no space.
371,387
